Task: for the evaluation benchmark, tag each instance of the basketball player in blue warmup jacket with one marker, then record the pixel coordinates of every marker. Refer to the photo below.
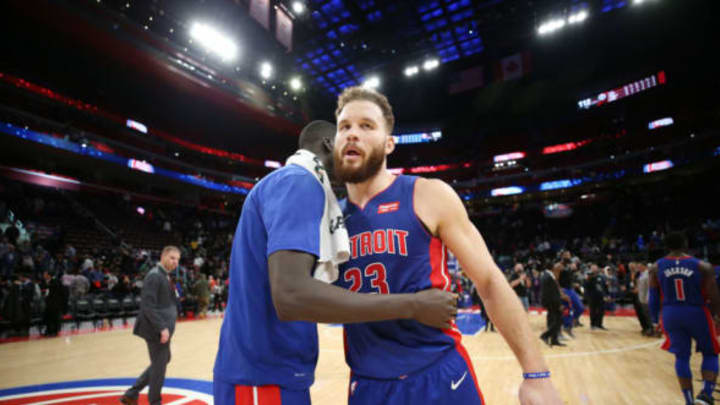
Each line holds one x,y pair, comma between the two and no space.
684,285
267,351
399,228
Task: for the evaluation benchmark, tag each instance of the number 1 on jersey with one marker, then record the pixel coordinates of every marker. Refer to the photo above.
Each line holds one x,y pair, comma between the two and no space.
679,289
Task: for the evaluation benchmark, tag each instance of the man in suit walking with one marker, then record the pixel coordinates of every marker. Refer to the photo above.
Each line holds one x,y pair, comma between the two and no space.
596,291
156,323
551,298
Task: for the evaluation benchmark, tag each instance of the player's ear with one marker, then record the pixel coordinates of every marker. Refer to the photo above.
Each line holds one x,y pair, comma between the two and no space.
389,144
328,144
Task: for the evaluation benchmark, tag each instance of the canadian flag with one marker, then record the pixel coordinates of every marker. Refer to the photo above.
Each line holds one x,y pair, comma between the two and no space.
513,67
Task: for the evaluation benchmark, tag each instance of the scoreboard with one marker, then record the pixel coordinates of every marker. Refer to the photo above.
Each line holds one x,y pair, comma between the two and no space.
627,90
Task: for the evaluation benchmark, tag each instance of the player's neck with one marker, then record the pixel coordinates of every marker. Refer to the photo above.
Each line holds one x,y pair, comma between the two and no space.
360,193
677,253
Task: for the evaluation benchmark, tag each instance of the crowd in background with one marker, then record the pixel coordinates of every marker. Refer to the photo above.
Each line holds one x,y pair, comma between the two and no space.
41,275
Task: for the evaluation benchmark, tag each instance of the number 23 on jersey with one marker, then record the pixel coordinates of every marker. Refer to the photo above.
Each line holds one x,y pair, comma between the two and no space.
374,273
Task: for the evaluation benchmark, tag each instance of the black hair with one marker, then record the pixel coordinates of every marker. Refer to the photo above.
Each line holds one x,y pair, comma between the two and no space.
312,135
675,241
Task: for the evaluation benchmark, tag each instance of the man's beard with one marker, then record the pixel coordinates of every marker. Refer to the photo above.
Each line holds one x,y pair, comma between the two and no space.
370,168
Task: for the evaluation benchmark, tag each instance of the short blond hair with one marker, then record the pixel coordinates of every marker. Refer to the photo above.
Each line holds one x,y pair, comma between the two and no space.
356,93
169,248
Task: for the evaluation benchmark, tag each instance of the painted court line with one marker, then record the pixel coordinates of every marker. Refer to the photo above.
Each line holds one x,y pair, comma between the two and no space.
182,401
75,398
580,354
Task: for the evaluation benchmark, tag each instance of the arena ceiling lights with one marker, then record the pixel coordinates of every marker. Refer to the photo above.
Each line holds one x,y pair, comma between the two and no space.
559,23
431,64
266,70
411,71
295,84
214,41
428,65
298,7
372,82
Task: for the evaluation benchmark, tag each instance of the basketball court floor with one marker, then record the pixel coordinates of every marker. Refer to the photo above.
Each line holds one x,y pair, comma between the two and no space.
618,366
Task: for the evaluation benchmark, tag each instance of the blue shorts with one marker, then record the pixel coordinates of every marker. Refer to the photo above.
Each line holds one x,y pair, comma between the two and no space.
230,394
451,381
681,324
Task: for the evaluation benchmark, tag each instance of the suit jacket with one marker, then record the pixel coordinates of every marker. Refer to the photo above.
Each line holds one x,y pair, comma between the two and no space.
596,288
550,292
158,307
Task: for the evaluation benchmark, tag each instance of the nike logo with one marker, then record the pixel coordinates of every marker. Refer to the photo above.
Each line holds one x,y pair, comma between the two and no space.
454,385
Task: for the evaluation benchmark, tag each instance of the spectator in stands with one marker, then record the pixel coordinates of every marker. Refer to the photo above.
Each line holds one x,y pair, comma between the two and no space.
43,260
4,245
613,286
27,264
12,233
202,294
521,283
216,287
123,288
70,251
110,279
62,264
79,286
137,284
18,305
186,302
55,304
8,261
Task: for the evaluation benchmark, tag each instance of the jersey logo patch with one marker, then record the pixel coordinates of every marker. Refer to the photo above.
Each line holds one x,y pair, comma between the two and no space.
454,385
388,207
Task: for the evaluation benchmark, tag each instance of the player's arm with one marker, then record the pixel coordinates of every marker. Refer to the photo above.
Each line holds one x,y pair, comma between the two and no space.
441,210
654,294
292,216
297,296
443,213
710,287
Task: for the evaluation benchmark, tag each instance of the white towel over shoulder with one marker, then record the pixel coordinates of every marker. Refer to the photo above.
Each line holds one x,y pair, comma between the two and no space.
334,242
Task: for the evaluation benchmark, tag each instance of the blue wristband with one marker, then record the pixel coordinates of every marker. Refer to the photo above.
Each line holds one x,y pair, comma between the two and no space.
533,376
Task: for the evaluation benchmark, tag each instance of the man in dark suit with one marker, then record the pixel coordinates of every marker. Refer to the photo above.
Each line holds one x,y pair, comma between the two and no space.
596,291
551,298
156,323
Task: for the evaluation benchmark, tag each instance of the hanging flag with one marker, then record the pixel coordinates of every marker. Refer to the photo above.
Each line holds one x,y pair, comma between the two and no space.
513,67
260,10
283,28
467,79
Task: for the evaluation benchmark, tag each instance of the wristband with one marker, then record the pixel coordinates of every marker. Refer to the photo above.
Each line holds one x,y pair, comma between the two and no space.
534,376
